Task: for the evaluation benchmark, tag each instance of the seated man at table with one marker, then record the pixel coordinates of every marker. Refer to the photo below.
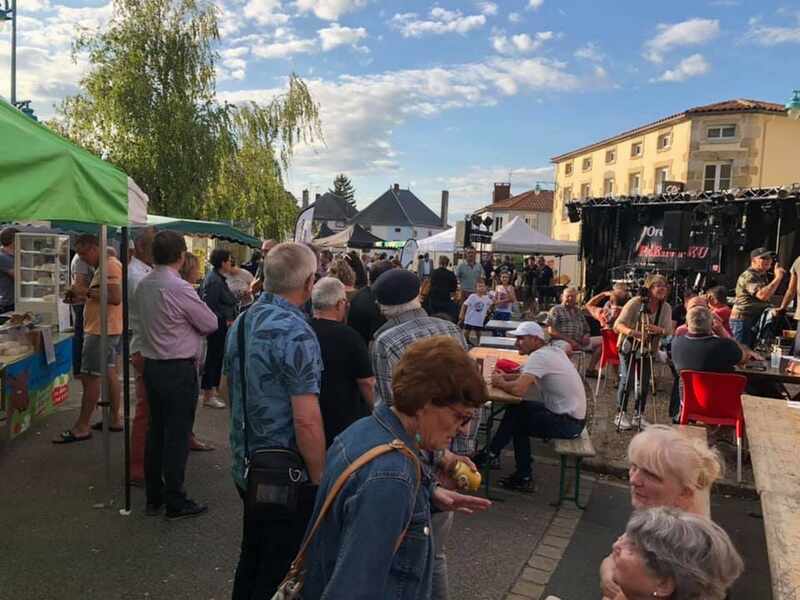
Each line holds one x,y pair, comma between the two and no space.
568,327
553,405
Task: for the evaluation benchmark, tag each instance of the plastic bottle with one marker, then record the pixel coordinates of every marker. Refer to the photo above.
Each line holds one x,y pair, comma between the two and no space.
775,357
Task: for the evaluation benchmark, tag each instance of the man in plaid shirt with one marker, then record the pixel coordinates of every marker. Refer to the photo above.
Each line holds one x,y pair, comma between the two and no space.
397,294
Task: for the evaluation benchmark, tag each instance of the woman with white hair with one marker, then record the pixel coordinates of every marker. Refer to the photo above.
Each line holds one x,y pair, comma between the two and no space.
667,468
674,555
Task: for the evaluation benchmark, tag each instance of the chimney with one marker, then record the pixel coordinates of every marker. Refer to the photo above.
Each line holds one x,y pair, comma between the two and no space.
396,187
502,191
305,199
445,205
316,198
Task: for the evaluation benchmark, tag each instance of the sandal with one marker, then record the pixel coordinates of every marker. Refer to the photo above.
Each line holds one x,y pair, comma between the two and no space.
67,437
99,427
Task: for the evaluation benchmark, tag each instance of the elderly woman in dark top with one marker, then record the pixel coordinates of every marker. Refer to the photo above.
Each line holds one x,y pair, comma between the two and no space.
668,554
362,550
222,301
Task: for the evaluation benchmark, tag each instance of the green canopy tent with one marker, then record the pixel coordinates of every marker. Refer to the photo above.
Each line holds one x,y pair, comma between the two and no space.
45,177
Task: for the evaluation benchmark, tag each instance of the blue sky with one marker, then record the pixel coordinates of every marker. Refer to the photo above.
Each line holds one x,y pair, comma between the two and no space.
458,94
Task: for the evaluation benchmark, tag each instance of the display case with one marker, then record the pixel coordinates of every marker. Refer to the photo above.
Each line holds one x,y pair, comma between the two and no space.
41,275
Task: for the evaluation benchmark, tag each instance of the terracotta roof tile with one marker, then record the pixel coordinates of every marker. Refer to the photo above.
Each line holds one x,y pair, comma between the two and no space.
530,201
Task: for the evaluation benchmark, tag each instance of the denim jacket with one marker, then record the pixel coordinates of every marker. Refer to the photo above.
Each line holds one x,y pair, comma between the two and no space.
352,555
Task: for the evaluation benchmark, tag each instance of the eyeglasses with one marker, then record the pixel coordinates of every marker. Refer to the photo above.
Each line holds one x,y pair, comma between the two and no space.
464,419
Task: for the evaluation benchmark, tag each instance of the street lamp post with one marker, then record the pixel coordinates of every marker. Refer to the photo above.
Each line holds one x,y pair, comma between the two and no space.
9,13
793,106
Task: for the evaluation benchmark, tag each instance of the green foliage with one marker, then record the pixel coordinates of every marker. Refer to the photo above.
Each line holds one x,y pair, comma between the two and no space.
148,104
343,187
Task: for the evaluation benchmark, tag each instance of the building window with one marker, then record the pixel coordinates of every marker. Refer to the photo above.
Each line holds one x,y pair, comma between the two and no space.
637,149
527,221
498,223
662,175
567,197
397,230
721,132
586,191
717,177
568,168
611,156
634,184
430,233
587,164
608,186
414,233
664,141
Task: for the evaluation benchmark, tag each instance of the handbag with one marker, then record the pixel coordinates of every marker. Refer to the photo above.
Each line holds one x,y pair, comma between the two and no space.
292,586
275,477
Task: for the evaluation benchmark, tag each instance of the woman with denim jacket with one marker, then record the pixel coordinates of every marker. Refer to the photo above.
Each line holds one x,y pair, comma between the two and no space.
355,554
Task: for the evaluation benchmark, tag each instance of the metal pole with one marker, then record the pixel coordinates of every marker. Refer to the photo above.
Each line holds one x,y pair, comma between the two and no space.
126,368
105,396
13,52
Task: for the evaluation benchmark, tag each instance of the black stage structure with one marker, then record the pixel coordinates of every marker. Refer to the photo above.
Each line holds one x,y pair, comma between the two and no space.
696,239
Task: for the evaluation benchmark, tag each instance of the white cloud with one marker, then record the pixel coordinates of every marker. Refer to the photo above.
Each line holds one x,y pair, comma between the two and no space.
266,12
361,113
590,52
686,33
693,66
335,36
514,17
329,10
473,189
284,49
521,43
765,35
487,8
535,4
441,21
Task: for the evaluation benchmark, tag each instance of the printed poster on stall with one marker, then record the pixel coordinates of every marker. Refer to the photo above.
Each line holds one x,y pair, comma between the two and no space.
32,388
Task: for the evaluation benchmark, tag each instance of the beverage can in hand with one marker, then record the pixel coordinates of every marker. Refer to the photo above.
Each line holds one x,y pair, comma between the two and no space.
466,479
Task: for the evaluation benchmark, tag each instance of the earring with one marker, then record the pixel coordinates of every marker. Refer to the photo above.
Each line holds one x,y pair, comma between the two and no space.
418,438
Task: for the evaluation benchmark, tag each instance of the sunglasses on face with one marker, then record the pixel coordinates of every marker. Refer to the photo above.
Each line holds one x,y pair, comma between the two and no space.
464,419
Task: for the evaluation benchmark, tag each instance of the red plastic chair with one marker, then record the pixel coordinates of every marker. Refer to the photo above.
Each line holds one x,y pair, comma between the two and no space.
715,399
609,356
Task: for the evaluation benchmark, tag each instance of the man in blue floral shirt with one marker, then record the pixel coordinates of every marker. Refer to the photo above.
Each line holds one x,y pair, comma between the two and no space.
283,369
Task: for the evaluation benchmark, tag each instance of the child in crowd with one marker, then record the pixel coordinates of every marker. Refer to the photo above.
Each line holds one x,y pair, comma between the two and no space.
474,311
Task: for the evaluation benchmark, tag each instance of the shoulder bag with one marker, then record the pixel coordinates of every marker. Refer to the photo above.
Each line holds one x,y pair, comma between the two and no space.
292,586
275,477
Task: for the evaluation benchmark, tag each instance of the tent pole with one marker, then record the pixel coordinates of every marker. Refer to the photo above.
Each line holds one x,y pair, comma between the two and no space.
126,367
105,397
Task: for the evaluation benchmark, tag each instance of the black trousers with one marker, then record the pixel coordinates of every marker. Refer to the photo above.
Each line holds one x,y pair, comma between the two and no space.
215,353
269,545
77,339
172,395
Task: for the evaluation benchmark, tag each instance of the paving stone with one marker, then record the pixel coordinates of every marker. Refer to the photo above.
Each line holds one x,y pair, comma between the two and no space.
535,575
550,552
566,523
562,532
543,563
556,542
526,589
516,597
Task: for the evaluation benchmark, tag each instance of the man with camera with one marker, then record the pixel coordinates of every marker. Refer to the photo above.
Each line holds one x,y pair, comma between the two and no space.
644,320
754,289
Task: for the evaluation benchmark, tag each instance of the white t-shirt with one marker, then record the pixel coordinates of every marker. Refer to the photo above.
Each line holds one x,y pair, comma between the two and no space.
477,309
559,385
137,270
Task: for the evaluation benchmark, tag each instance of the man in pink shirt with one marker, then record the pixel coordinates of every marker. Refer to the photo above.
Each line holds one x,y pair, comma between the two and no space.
176,322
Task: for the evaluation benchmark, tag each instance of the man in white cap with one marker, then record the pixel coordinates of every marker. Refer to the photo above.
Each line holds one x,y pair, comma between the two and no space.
554,403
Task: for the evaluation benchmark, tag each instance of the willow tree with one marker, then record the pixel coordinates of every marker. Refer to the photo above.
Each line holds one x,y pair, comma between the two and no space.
148,104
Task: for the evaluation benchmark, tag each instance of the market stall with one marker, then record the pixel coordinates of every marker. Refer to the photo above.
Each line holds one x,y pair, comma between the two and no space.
44,177
354,236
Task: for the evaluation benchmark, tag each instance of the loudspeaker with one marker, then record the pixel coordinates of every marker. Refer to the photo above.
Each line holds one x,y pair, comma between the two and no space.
677,224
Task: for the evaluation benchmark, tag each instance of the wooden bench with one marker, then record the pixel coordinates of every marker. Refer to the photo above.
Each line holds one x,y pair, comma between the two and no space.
578,448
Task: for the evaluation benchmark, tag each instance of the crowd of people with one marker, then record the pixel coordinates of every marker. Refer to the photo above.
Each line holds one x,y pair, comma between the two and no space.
353,376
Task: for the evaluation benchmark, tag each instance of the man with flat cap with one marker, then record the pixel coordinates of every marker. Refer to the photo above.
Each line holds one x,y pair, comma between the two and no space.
754,289
397,295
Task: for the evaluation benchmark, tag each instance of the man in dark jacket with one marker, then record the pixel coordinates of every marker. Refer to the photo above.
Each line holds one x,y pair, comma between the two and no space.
443,285
364,315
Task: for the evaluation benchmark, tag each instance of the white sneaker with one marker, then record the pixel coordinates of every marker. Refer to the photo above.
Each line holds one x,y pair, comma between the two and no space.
640,422
622,422
214,402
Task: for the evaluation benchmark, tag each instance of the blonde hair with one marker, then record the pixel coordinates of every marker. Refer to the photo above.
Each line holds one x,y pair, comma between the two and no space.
340,270
654,279
669,453
190,261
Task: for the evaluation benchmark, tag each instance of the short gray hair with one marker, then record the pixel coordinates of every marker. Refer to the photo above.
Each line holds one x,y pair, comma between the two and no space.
692,551
390,311
326,293
287,267
699,320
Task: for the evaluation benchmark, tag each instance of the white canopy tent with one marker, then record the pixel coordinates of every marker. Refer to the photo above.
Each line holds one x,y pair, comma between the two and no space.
518,238
444,241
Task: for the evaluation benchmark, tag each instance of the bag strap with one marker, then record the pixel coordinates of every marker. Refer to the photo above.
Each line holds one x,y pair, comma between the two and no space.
240,333
368,456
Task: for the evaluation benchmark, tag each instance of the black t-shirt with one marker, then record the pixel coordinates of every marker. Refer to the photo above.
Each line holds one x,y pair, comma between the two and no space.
545,276
344,359
529,275
443,283
705,353
679,315
364,315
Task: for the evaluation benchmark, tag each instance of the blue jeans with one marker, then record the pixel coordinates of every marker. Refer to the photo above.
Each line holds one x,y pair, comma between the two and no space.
742,330
532,418
626,381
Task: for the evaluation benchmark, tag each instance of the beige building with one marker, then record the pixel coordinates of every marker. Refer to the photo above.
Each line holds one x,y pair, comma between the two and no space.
535,207
727,145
